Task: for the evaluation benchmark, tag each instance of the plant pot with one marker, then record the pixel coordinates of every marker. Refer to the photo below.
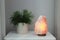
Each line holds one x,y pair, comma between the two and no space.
22,28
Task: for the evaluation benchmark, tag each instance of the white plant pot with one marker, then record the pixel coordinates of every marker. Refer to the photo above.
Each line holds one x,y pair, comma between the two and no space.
22,28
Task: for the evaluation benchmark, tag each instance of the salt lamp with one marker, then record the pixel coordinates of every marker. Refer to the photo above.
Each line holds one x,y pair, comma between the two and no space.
41,26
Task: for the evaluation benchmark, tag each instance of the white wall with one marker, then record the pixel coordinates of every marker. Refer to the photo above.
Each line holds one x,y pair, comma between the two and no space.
0,28
57,19
2,19
38,7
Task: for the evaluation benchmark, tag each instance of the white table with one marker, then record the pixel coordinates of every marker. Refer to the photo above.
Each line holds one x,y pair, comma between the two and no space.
29,36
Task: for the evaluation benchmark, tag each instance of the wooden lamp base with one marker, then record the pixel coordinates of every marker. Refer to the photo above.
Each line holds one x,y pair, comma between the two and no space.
41,34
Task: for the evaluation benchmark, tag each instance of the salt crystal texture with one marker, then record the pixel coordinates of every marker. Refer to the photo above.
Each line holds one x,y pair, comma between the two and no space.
41,25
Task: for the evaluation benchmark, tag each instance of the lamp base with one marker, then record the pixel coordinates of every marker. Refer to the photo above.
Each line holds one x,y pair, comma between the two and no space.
41,34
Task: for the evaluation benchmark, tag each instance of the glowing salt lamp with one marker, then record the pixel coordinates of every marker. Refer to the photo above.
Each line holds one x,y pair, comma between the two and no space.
41,26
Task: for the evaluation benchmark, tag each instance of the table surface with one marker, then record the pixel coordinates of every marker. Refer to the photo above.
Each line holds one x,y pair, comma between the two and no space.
29,35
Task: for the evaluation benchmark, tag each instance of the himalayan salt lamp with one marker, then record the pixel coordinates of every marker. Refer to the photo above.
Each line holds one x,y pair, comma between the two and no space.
41,26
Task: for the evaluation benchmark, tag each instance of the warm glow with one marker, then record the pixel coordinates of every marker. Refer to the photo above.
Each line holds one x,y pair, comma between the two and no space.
41,25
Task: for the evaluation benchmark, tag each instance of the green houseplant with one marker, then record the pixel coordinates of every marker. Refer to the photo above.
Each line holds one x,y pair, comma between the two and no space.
22,19
16,18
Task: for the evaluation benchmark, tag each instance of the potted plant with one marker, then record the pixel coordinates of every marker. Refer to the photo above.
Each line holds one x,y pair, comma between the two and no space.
21,20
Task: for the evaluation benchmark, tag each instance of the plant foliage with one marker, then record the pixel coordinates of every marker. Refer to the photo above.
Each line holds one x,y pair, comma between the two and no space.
21,17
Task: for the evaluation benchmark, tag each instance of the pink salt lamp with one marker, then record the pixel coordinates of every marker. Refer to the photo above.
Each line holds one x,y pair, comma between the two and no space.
41,26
